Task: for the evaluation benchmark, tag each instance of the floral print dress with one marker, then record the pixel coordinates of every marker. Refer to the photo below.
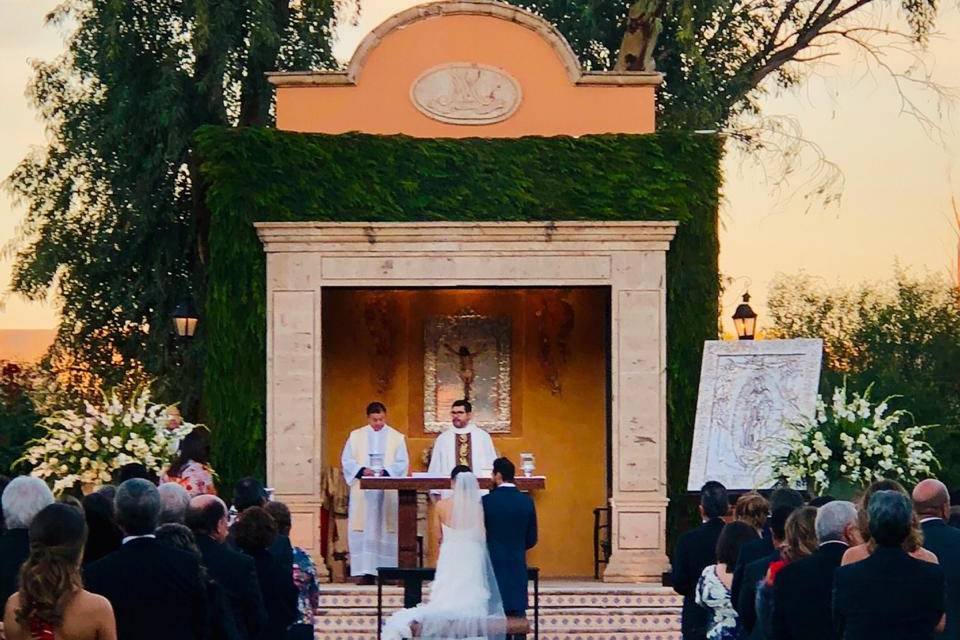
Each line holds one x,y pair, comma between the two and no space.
305,579
195,477
714,596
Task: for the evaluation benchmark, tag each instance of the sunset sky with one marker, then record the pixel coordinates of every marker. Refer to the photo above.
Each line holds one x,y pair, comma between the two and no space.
895,204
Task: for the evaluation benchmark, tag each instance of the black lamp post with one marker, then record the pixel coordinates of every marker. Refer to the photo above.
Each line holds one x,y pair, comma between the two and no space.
745,319
185,319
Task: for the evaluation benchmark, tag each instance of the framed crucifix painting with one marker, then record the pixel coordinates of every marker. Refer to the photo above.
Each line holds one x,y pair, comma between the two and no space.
467,356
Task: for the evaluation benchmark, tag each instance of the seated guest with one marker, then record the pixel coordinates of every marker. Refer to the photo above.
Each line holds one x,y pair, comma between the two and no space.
763,548
190,469
281,549
108,491
255,531
753,509
713,588
800,542
234,571
912,544
954,520
695,551
220,623
4,481
819,501
931,502
51,602
103,535
174,502
304,575
888,595
133,470
22,500
157,592
248,492
801,597
754,573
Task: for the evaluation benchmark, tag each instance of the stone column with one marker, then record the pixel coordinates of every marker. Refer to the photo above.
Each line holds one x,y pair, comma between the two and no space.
293,394
638,416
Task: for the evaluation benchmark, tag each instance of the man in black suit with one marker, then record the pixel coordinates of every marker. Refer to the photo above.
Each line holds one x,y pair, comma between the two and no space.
931,501
511,522
695,550
888,595
156,591
235,572
754,572
22,500
757,549
801,595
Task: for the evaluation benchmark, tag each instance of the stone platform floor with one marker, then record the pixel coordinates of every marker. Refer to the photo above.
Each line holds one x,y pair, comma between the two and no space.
569,610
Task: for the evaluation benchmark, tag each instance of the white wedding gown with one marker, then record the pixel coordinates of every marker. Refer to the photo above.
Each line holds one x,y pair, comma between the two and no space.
464,599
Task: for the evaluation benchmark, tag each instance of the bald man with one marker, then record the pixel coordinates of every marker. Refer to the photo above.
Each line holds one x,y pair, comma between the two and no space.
931,501
235,572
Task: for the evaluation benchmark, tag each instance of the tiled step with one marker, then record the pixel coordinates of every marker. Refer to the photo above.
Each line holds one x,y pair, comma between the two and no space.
568,611
573,635
550,598
559,621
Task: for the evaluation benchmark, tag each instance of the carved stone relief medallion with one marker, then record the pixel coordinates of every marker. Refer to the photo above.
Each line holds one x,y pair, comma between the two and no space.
466,93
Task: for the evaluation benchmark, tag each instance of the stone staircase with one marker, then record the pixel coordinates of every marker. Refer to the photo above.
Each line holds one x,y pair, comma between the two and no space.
569,610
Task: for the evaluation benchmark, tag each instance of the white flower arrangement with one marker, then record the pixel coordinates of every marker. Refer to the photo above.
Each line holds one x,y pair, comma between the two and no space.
87,447
855,442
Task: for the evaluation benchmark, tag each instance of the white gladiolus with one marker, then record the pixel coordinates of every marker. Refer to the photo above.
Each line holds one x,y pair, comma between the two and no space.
855,441
87,448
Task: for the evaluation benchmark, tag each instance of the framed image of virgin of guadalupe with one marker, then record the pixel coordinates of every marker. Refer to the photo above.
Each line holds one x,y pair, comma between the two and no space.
467,356
750,390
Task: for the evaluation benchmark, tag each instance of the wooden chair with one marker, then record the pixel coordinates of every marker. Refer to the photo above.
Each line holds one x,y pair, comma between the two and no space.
601,539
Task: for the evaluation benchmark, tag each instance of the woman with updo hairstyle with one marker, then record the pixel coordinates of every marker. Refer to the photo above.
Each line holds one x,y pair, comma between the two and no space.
52,603
914,541
801,535
753,509
254,532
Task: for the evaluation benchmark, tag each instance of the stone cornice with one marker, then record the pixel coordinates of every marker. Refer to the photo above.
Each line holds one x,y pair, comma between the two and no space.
590,236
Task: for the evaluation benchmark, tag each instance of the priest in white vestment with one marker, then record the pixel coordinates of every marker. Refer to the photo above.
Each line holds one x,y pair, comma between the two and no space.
372,515
464,443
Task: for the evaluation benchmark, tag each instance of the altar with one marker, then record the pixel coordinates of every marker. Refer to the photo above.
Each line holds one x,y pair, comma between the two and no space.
407,488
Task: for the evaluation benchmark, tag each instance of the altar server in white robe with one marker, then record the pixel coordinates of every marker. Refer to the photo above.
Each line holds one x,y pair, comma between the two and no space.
464,443
372,515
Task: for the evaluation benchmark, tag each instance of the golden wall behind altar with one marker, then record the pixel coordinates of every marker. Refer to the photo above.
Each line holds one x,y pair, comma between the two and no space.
375,338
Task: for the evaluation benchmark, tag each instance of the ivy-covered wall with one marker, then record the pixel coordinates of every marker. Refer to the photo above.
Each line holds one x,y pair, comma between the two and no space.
256,175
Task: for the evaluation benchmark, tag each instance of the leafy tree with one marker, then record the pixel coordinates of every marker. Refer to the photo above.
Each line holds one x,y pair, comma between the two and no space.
18,416
115,222
904,336
719,56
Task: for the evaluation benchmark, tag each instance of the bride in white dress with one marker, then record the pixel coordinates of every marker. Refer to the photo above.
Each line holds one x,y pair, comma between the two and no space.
464,599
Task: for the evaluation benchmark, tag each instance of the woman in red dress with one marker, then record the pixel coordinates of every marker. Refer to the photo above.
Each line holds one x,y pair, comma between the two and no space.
52,603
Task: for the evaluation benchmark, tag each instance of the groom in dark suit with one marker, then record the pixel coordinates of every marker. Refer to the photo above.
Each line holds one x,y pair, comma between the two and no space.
511,523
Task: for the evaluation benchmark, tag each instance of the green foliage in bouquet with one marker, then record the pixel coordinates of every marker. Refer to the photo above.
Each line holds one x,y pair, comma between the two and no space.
849,443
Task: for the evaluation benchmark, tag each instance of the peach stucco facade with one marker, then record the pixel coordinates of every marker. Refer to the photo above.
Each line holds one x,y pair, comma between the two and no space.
374,93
